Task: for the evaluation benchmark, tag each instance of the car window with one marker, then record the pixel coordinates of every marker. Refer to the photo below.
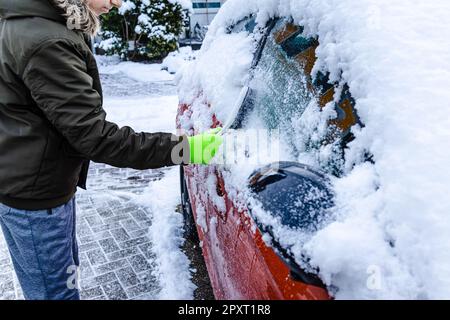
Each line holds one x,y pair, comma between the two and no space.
282,87
280,90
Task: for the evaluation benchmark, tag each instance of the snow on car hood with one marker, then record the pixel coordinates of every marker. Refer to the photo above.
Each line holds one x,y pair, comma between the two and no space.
391,238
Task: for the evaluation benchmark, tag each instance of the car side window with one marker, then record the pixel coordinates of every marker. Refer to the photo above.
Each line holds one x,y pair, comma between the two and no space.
282,87
279,89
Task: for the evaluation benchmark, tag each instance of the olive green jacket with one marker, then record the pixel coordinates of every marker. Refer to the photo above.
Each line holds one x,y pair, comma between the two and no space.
51,117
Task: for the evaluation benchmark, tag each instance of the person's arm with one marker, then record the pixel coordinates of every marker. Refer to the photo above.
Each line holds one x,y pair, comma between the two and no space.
57,77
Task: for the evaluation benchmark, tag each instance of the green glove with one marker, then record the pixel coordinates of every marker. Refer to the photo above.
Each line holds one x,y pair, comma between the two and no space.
203,147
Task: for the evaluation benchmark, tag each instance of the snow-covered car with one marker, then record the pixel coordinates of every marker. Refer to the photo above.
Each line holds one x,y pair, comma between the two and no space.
239,262
326,216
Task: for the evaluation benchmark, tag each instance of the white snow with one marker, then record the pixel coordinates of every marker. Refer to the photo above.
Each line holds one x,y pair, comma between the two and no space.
392,226
218,75
144,113
177,60
185,4
138,71
166,234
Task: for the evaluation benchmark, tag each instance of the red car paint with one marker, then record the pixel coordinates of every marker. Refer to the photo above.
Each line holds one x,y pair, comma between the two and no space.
240,265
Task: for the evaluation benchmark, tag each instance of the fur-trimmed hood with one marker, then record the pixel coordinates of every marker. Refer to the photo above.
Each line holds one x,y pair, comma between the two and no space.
75,13
78,15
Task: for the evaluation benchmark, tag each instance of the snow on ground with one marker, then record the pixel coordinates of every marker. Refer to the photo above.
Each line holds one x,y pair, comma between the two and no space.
166,233
151,114
391,236
136,71
155,113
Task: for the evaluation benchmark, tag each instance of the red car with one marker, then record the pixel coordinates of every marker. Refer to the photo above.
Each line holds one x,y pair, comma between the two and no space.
240,264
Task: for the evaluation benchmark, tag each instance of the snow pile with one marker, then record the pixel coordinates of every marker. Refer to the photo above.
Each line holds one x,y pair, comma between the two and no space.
391,237
134,70
166,233
175,61
104,61
155,114
109,41
217,77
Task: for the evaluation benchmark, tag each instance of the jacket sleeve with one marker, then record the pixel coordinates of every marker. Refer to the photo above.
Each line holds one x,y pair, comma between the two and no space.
57,77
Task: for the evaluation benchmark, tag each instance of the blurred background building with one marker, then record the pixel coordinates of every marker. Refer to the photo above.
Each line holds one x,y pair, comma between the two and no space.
200,19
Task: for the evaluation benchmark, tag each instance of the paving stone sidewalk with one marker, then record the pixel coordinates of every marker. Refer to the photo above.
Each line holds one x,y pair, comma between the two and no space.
117,262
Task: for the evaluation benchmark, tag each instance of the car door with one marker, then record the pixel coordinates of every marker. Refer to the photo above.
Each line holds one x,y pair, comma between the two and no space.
230,247
281,89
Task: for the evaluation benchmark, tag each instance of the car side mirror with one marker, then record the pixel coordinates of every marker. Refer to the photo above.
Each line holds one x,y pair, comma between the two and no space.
297,196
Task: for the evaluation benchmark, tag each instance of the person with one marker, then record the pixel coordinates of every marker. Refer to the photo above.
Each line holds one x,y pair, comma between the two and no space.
52,124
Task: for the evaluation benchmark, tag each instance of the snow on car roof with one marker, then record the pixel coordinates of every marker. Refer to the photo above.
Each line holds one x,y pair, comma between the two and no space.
391,237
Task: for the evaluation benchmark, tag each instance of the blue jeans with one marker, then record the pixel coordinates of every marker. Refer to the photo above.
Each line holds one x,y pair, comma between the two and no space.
44,250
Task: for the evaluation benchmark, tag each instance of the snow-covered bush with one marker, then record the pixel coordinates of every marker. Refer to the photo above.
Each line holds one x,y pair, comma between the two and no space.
143,29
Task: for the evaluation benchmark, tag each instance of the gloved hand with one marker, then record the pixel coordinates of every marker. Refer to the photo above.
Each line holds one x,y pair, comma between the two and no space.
203,147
